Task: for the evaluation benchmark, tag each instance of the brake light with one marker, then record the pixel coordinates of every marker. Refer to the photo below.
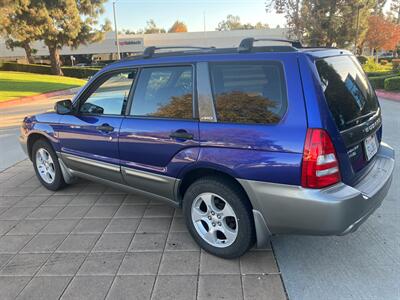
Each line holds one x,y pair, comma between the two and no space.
320,165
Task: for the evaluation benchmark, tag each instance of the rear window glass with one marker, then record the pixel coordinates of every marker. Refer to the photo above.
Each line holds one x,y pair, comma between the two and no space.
250,92
347,90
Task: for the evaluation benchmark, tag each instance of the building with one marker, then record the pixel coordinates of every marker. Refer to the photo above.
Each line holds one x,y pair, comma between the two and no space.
131,44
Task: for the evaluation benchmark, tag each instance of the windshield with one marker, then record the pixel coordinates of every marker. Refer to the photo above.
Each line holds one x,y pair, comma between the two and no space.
347,90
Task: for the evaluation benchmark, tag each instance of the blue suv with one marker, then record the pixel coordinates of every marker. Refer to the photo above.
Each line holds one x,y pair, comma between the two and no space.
249,141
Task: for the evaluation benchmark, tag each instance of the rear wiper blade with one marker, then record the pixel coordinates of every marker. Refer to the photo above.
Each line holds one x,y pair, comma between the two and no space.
361,117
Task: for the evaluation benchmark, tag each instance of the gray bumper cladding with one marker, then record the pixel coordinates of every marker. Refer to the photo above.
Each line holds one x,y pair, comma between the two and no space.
335,210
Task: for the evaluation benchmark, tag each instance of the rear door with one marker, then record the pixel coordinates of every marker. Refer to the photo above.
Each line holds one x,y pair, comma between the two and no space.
354,107
159,135
257,125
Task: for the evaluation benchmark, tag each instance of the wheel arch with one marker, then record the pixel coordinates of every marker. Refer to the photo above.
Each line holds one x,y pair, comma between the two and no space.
34,137
196,173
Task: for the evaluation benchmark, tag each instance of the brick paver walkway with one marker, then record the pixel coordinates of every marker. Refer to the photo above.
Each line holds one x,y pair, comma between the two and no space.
92,242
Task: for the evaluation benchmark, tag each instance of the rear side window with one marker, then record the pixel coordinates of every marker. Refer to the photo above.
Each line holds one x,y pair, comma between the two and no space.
349,96
249,92
165,92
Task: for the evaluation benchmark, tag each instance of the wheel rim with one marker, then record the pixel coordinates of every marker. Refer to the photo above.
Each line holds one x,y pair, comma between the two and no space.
45,165
215,220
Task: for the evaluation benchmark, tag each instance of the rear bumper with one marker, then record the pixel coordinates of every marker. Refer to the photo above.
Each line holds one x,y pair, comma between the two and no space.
335,210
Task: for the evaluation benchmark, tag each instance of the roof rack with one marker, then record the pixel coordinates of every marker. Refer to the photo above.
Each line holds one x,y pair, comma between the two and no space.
246,45
150,51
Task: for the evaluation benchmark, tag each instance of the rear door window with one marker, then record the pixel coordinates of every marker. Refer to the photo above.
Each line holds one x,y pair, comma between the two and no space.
164,92
348,93
249,92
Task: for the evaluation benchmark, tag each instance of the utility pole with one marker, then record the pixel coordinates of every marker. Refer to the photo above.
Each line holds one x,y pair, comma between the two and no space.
204,21
116,33
357,27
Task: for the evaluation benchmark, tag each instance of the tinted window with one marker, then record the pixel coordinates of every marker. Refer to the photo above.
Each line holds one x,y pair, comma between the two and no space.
165,92
346,89
249,92
111,96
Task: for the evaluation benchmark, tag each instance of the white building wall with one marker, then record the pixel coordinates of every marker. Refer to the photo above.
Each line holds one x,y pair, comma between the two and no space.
136,43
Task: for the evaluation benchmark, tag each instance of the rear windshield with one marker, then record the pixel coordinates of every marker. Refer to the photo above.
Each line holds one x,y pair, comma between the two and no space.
347,90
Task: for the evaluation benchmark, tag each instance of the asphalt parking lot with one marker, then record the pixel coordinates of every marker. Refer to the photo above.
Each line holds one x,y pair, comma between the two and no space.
92,242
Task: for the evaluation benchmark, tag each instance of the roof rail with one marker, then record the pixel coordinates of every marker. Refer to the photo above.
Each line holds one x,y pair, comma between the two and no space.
150,51
246,45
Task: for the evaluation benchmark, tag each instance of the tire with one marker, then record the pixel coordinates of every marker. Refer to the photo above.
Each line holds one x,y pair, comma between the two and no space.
49,172
224,231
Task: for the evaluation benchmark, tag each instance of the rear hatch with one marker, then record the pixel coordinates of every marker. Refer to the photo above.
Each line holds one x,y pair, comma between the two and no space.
354,107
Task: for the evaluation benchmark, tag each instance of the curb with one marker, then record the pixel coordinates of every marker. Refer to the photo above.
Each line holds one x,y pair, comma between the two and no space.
394,96
39,97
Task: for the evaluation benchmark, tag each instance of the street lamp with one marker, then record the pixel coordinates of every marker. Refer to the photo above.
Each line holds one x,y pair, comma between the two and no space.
116,32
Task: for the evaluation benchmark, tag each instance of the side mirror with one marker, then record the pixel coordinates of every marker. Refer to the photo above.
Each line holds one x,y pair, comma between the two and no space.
63,107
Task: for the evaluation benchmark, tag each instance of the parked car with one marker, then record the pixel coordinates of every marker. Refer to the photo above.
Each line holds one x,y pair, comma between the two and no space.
249,142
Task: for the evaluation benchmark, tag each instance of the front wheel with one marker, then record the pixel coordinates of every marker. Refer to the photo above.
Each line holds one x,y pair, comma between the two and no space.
219,217
46,166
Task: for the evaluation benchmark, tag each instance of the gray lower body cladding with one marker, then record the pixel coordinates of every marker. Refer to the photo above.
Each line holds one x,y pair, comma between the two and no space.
335,210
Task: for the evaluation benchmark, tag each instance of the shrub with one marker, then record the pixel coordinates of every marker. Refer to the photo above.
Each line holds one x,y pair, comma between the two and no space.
378,82
384,62
396,65
392,84
372,66
362,59
388,59
77,72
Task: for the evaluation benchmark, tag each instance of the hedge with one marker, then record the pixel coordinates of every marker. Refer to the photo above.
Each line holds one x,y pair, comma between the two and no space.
392,84
378,74
78,72
378,82
396,65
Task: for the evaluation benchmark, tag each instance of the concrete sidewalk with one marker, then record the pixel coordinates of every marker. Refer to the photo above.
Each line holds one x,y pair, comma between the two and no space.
92,242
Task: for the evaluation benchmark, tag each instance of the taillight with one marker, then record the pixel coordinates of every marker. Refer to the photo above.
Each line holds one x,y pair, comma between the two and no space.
320,165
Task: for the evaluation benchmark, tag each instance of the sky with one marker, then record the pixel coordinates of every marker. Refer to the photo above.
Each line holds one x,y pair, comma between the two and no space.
133,14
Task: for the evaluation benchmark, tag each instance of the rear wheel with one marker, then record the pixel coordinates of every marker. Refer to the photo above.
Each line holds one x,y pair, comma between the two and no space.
219,217
46,166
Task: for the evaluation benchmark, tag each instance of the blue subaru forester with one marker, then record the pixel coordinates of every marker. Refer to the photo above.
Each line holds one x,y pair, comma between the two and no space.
249,141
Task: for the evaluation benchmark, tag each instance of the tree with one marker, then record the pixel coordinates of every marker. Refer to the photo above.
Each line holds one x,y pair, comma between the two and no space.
233,23
326,22
291,10
14,26
152,28
382,34
178,27
335,22
60,23
395,8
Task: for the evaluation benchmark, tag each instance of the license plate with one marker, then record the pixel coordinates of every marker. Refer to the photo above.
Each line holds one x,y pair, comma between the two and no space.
371,146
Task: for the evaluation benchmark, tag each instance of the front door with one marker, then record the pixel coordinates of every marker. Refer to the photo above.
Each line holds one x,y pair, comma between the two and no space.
159,135
89,138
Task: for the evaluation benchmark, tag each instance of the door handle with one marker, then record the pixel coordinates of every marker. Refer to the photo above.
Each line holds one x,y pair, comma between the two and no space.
181,134
105,128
